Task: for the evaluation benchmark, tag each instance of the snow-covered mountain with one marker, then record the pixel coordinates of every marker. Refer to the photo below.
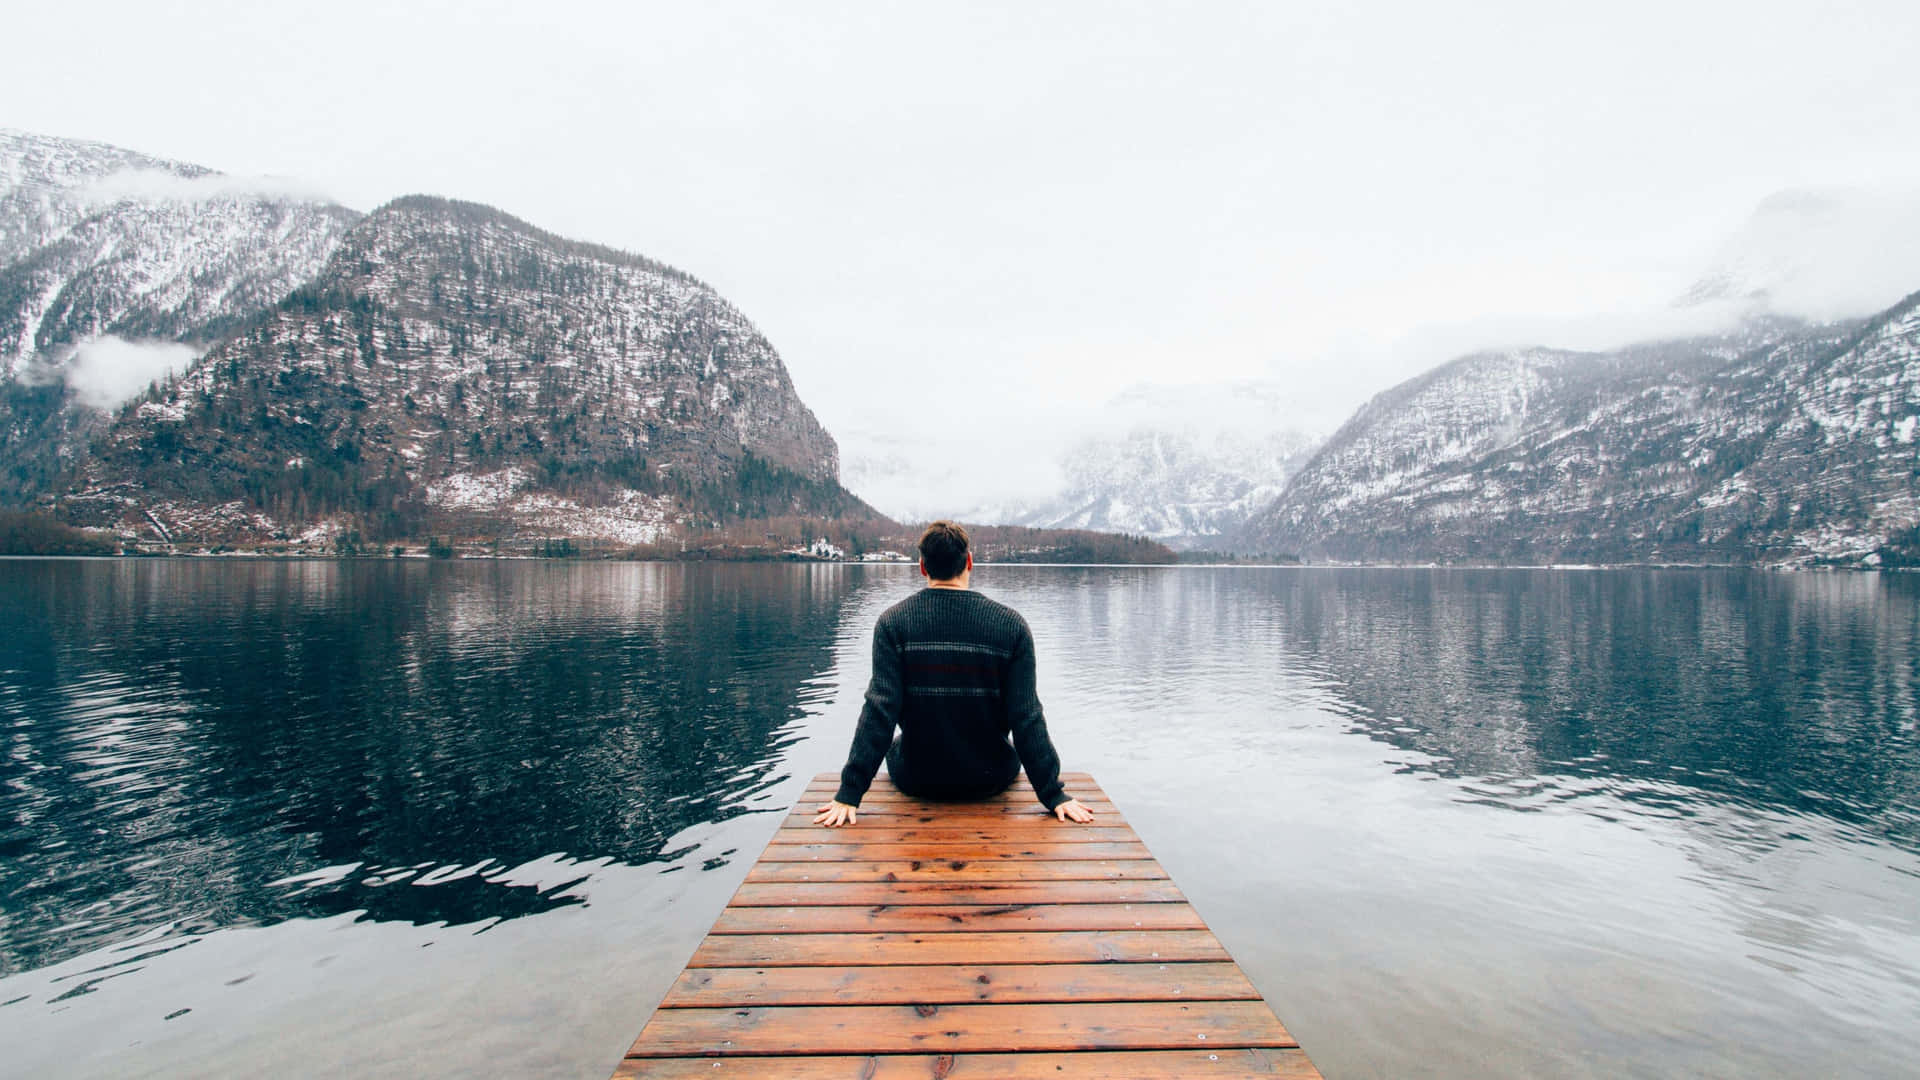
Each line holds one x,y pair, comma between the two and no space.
453,363
1782,441
1185,465
116,268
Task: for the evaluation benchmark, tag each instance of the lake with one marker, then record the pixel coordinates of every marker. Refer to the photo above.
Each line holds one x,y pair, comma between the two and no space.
401,818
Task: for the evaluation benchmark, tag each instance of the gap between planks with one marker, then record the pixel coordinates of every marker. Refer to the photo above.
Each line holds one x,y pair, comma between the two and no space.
1239,1064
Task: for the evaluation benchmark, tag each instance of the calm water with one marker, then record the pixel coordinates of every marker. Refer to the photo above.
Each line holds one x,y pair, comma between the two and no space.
407,818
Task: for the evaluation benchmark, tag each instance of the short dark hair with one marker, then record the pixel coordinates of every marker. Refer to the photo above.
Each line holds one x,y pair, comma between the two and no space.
943,550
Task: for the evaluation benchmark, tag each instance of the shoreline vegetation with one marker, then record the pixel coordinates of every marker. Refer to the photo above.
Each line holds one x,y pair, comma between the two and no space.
786,539
32,533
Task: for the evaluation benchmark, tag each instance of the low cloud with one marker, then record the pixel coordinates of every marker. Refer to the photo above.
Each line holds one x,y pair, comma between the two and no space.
108,372
1822,253
160,185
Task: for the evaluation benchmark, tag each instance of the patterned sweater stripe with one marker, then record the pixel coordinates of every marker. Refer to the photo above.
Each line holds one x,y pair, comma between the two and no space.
954,671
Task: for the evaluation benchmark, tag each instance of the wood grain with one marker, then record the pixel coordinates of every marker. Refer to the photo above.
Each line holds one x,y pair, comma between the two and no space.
961,940
955,918
974,832
1244,1064
839,894
1071,947
959,984
954,1029
969,870
835,850
985,815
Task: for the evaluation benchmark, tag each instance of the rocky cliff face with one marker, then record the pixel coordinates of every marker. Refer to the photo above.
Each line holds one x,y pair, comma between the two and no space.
452,363
105,256
1784,442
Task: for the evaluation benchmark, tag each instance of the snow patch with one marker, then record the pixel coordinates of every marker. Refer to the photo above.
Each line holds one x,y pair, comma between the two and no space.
634,517
477,491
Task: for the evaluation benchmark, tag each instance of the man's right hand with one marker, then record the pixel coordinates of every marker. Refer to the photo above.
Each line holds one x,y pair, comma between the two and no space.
834,815
1071,810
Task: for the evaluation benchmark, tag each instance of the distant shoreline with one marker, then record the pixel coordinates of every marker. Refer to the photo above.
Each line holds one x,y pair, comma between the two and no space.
282,556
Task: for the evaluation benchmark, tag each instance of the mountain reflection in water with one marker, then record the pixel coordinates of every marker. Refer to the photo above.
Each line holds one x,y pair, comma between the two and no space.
434,818
209,744
1797,693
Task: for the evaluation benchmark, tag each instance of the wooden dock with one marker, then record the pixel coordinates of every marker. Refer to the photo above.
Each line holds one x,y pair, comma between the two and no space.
961,940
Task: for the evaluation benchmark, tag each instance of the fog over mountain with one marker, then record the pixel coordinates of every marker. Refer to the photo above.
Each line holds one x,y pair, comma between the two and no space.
1182,463
194,357
1780,429
1191,464
117,269
125,268
1818,254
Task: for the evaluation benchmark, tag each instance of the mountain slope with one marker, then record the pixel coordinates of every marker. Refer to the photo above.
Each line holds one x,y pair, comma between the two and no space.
451,364
1782,442
1186,488
99,240
1184,464
99,243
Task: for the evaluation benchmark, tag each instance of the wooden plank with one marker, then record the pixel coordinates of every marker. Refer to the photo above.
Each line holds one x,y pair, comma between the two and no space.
1104,813
956,918
880,779
1287,1063
955,1029
959,984
956,870
836,894
1020,797
1018,793
834,850
961,939
1075,947
976,832
1019,790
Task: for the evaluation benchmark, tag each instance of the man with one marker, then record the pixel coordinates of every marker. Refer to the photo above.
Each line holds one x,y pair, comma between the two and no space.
955,671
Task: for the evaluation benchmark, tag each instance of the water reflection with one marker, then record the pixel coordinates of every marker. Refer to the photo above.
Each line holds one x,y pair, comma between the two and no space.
208,744
1794,693
1521,823
1507,823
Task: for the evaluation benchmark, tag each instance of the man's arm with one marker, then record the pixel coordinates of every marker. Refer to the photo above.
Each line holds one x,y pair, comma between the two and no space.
1029,725
874,733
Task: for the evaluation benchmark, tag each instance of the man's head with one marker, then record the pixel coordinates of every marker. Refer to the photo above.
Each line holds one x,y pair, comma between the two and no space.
943,551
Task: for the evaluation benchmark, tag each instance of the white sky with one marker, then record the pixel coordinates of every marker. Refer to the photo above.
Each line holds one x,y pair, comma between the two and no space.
1040,204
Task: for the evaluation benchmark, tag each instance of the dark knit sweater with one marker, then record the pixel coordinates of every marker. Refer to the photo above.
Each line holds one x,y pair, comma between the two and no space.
954,670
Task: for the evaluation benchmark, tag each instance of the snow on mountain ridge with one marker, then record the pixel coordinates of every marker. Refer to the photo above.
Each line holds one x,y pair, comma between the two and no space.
1779,442
1182,487
96,241
454,367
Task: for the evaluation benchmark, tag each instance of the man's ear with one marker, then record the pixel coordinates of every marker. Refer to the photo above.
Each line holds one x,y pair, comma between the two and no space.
923,569
969,560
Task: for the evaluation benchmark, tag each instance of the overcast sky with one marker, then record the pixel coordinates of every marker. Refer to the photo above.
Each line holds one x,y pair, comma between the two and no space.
1037,204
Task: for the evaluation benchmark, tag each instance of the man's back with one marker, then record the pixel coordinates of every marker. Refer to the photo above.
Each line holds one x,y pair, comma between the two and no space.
955,670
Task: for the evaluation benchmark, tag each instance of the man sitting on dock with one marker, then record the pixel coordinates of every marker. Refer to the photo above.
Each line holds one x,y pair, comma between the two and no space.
955,671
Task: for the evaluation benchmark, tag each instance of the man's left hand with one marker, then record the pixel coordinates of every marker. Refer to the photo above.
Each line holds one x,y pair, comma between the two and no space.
1071,810
834,815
